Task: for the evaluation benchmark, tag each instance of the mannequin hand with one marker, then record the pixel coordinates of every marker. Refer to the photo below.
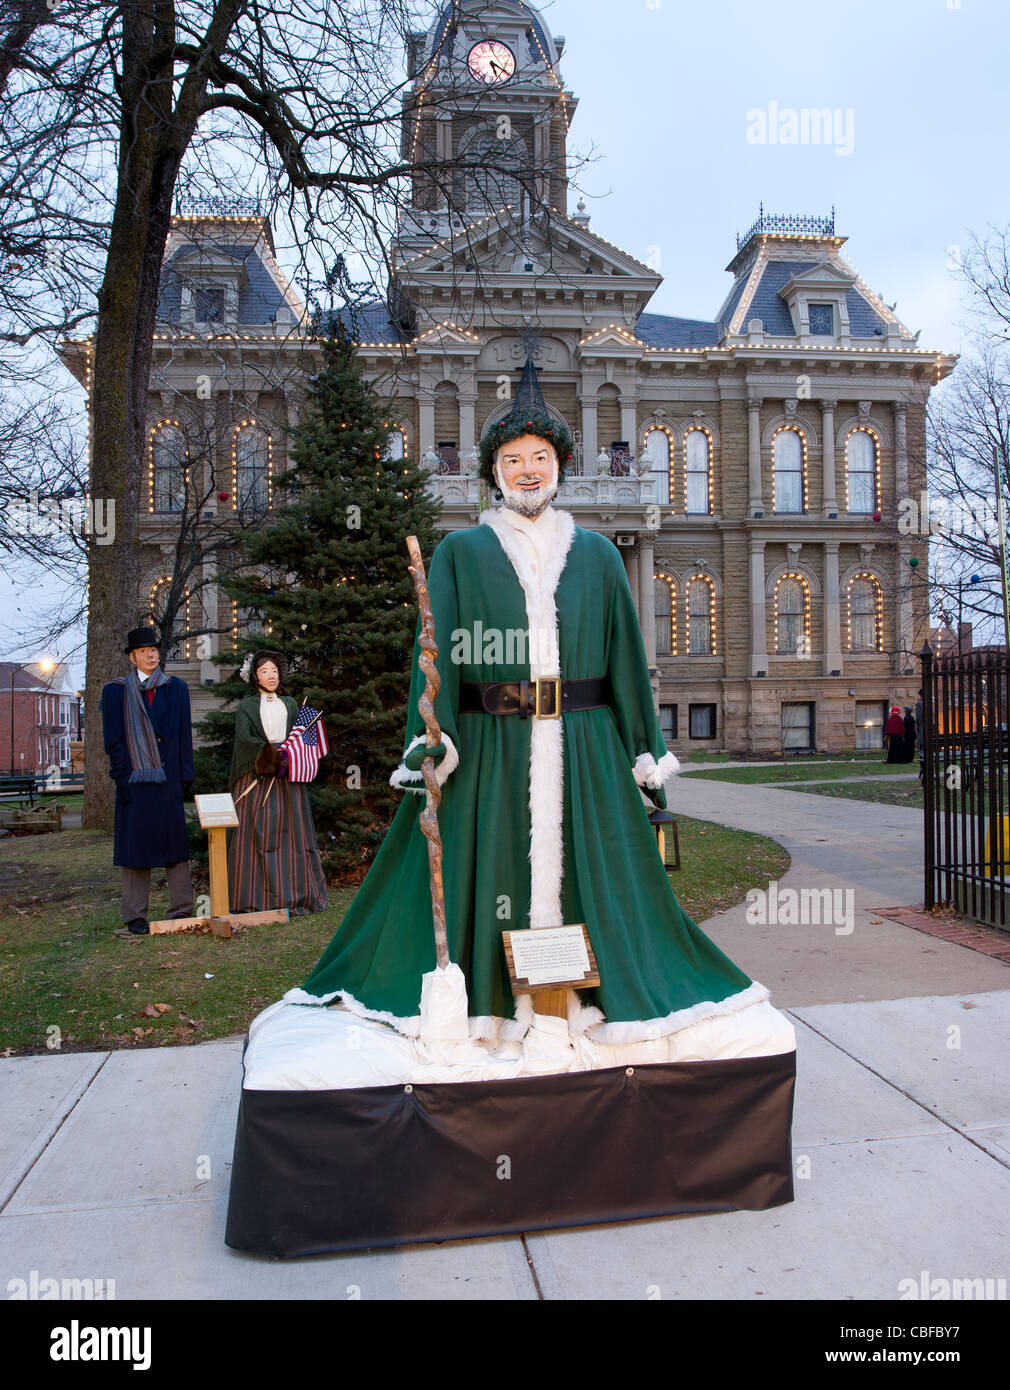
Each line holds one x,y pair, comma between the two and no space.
417,755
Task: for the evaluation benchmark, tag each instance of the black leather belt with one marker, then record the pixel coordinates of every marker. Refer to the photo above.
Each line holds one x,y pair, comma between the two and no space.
549,697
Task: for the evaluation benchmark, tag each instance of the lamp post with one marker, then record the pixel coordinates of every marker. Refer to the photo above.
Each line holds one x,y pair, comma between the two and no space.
13,669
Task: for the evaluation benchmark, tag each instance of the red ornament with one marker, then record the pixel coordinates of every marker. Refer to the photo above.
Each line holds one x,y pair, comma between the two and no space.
222,497
529,422
876,516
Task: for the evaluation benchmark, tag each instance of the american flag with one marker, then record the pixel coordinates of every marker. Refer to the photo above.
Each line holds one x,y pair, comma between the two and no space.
305,747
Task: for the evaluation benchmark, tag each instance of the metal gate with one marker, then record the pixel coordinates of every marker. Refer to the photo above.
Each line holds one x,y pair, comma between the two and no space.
964,767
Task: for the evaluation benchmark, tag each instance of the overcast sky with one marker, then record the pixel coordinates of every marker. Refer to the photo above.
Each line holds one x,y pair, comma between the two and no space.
673,96
667,93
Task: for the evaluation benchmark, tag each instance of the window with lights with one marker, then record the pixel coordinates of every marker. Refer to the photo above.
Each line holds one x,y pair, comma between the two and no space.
789,471
861,472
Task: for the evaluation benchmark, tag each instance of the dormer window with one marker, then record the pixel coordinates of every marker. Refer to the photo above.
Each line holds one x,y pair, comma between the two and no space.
822,320
208,304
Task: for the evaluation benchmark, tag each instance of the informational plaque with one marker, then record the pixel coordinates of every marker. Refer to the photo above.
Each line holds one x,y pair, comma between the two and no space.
216,810
557,956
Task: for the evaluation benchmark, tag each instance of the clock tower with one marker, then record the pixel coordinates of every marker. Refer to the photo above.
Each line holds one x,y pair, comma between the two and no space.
488,96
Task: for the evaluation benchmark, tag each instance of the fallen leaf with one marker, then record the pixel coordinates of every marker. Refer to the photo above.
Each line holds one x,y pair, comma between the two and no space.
967,1004
163,1008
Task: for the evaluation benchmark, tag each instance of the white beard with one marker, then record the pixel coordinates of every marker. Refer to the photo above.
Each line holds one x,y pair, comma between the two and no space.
528,501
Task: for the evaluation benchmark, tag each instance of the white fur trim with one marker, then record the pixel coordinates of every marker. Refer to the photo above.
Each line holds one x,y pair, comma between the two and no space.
643,1029
413,781
546,735
410,1027
649,773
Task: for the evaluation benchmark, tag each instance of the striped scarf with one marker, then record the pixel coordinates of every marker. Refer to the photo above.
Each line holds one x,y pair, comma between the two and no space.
141,740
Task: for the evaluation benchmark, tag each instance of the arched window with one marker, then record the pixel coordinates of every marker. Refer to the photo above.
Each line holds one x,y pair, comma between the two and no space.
494,186
167,467
182,621
789,471
861,472
866,614
660,446
792,616
396,445
251,467
698,471
665,597
246,621
700,616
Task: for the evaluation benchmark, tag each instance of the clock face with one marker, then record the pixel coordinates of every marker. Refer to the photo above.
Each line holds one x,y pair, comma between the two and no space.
491,61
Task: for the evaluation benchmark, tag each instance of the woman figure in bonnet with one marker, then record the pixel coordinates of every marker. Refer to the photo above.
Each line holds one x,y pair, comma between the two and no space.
273,854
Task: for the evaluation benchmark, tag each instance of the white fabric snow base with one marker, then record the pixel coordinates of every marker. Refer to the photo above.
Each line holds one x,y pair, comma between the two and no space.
296,1048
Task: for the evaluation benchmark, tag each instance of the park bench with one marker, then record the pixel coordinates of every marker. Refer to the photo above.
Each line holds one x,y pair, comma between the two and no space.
18,788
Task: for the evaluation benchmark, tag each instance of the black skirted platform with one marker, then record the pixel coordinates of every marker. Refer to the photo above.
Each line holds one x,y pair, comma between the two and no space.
318,1171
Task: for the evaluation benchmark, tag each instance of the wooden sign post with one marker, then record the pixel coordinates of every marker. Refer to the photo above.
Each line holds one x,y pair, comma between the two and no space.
217,812
559,957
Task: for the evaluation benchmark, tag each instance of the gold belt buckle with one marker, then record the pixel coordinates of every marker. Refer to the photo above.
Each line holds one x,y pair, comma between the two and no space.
544,682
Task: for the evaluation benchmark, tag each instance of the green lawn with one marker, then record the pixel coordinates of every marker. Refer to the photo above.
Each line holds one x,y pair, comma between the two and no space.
62,968
890,793
803,770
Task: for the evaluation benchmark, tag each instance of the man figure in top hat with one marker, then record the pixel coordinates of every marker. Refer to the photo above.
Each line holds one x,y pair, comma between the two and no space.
149,740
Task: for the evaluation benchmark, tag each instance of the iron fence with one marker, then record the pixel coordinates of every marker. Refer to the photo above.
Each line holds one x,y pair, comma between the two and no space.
965,761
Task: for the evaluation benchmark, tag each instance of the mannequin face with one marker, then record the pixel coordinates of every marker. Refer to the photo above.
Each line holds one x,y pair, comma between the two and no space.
267,676
527,474
145,659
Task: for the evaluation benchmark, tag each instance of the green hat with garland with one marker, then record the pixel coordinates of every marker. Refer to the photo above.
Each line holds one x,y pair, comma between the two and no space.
527,416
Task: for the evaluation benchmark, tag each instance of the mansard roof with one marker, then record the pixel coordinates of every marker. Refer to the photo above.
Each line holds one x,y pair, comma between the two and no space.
760,278
666,331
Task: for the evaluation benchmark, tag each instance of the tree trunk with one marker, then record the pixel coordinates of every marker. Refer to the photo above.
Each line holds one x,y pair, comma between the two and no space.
151,149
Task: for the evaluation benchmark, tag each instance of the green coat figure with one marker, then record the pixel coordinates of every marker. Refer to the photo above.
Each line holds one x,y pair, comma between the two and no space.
542,819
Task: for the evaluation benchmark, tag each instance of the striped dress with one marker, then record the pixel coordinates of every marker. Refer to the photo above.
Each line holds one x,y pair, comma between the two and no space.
273,854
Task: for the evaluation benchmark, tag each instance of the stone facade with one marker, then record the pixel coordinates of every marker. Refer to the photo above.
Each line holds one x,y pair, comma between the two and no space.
788,427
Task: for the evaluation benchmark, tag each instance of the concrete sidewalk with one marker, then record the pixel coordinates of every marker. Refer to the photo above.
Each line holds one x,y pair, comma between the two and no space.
116,1165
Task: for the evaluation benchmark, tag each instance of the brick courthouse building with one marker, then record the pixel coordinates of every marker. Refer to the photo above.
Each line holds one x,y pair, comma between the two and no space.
748,467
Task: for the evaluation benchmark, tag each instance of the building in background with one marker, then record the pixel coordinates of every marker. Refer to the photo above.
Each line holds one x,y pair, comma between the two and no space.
748,467
40,718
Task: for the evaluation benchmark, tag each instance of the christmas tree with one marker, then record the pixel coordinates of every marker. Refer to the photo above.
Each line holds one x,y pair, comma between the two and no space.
328,579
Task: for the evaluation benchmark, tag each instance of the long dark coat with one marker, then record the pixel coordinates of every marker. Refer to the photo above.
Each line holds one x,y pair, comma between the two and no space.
150,828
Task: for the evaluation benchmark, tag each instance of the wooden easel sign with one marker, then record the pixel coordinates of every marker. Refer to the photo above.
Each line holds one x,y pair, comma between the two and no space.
217,813
550,958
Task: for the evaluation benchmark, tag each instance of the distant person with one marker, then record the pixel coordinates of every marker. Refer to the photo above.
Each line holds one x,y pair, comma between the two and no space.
148,735
894,735
908,754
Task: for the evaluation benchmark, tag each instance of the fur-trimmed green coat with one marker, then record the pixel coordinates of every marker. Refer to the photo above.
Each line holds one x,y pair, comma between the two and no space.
542,821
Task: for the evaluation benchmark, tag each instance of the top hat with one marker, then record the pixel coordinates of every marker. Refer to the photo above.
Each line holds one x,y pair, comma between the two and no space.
140,637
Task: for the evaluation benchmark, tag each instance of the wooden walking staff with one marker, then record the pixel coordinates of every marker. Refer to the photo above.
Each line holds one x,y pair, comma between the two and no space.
428,818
